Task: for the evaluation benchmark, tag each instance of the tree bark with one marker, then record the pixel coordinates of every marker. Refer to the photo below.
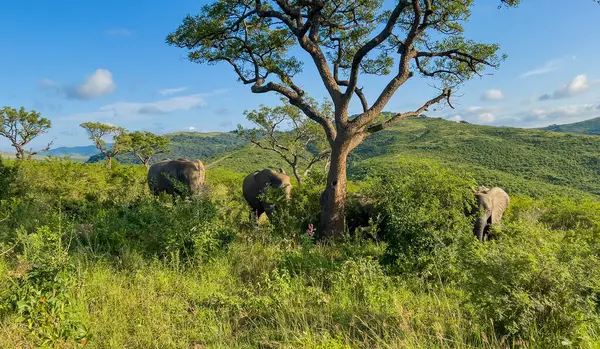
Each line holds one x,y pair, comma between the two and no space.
297,175
109,164
333,208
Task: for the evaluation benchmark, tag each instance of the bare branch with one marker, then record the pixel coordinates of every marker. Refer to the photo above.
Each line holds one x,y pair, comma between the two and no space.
400,116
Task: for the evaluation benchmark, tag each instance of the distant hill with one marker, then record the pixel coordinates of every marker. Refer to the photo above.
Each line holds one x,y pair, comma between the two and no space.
590,127
87,150
524,161
192,145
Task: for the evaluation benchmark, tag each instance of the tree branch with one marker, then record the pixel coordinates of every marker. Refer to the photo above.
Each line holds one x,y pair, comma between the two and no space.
400,116
296,100
371,44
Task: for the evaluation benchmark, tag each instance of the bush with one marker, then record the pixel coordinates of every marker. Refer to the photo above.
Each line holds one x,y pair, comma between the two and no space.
40,286
424,215
183,230
547,291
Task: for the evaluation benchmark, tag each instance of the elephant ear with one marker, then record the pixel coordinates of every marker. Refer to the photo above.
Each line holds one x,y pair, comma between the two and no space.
501,202
199,164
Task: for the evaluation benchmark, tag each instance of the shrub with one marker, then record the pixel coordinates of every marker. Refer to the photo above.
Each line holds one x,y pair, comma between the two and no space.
547,291
424,215
40,288
181,230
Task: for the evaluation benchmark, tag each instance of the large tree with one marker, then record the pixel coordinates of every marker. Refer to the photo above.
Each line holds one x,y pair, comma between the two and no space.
97,131
20,127
286,131
145,145
345,40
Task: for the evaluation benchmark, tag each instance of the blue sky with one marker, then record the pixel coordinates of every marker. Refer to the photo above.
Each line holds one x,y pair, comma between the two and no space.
93,60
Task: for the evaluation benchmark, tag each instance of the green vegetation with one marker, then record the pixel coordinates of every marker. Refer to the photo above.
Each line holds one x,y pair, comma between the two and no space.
20,127
87,256
589,127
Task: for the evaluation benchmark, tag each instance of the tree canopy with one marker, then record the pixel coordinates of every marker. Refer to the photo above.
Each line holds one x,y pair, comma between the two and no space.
97,131
145,145
20,127
286,131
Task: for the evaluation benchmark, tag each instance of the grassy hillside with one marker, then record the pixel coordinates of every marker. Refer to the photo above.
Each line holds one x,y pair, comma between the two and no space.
531,162
590,127
494,154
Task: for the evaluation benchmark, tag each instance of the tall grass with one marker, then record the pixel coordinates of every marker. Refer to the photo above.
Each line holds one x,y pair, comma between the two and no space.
88,258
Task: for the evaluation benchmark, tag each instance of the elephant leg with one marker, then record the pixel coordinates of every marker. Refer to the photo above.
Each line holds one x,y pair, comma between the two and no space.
486,231
480,225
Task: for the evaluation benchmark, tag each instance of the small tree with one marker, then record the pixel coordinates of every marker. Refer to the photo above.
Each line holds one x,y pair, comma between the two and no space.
302,146
97,131
20,127
145,145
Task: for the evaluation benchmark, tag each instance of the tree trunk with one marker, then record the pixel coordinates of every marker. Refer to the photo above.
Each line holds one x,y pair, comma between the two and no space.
333,208
109,163
297,175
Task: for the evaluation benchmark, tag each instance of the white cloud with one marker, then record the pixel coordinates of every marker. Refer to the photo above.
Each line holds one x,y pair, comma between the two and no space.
493,95
456,118
191,128
547,67
170,91
142,110
578,85
487,118
98,84
119,32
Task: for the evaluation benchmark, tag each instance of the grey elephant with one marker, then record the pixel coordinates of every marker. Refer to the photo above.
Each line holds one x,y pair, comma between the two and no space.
176,176
491,205
255,184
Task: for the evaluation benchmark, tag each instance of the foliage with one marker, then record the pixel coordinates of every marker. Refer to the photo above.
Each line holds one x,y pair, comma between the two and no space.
20,127
145,145
40,285
552,284
97,131
116,266
423,207
301,147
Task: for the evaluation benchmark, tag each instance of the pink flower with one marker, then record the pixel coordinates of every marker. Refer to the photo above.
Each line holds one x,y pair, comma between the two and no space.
311,230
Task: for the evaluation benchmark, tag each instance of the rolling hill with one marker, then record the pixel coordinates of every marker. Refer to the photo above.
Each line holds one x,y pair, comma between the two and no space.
590,127
531,162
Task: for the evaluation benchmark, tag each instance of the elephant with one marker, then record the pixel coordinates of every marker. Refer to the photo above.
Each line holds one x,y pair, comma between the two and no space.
172,176
491,205
255,184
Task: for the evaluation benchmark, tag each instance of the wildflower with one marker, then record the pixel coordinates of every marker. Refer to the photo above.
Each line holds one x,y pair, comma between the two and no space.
43,300
311,230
